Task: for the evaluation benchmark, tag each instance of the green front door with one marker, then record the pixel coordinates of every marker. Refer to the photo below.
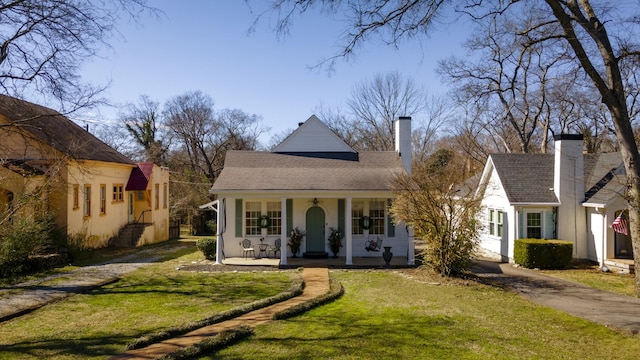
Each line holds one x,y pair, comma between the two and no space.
315,230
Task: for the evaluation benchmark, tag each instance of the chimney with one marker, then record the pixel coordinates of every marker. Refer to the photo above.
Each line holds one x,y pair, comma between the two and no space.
403,141
568,185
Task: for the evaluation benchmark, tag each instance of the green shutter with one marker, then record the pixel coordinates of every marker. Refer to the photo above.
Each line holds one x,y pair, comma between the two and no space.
289,216
547,232
238,217
341,217
521,224
391,227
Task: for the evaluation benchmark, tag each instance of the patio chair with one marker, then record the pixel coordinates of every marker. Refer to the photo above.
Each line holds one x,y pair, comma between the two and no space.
247,248
371,245
275,248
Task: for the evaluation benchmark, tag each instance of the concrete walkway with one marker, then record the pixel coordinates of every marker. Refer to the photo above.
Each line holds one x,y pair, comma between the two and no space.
316,284
612,310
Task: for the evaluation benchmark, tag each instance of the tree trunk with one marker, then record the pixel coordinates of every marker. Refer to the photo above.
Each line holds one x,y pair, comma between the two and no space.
611,88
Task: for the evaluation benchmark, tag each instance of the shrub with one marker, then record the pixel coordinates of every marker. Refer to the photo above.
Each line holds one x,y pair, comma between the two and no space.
23,238
208,247
543,254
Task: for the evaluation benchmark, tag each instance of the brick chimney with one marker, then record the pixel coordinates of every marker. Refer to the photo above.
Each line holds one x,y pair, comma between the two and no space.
403,141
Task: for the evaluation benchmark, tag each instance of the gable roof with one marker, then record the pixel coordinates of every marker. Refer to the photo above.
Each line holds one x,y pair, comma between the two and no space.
529,178
256,170
605,178
313,136
526,178
56,130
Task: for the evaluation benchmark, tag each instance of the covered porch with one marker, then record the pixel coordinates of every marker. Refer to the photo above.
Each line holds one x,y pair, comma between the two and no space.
331,262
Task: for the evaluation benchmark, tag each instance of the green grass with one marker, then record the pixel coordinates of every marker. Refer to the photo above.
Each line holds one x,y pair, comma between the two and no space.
98,324
592,276
383,315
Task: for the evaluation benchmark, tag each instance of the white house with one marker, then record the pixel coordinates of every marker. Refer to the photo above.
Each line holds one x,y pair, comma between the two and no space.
313,181
567,195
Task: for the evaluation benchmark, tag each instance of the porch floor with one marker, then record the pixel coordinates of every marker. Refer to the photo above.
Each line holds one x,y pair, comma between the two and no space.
331,262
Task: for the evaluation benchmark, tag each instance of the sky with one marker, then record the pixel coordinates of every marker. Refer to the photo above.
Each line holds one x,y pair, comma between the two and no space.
206,46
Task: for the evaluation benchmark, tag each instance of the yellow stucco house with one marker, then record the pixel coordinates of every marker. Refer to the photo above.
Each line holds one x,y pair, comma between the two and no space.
98,196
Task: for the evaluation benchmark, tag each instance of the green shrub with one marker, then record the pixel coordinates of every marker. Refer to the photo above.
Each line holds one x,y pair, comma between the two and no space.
23,238
208,247
543,254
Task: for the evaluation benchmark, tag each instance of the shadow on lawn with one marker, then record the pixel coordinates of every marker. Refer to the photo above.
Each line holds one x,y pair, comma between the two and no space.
79,348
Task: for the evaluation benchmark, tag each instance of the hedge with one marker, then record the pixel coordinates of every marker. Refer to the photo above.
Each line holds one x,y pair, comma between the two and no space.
543,254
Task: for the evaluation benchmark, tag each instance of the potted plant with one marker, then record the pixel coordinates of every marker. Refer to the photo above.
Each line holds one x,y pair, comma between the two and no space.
335,241
296,240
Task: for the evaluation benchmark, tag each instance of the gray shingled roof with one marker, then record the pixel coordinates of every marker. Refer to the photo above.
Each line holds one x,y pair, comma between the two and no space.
58,131
255,170
526,178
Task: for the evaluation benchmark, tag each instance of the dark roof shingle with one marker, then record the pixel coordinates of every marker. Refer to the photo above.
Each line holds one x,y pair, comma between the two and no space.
255,170
58,131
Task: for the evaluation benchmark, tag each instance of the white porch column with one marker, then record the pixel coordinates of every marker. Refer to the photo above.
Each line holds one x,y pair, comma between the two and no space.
283,231
347,231
411,253
219,231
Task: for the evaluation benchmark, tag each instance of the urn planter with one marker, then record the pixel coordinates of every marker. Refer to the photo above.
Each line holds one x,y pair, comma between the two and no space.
387,255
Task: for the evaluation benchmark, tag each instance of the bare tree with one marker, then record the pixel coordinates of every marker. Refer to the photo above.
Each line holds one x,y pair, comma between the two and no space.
434,202
44,42
201,137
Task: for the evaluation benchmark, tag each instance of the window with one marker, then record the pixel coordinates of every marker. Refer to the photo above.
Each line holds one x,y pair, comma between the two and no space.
87,200
165,195
140,195
534,225
274,212
118,195
103,199
376,214
496,222
252,217
357,213
76,197
157,196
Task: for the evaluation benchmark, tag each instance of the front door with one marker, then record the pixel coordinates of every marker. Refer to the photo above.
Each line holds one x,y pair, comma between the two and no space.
131,217
315,229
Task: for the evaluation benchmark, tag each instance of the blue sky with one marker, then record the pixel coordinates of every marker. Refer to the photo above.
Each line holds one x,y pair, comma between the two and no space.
205,45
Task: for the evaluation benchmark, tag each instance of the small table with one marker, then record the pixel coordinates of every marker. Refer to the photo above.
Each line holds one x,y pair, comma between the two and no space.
262,250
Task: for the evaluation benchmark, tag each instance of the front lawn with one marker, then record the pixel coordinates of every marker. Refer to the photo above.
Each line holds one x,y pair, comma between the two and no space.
384,315
594,277
98,324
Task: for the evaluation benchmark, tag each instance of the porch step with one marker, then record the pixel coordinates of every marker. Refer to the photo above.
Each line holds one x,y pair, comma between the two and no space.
129,235
620,266
315,255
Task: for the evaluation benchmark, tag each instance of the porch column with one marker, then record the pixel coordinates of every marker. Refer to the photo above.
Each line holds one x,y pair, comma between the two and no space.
283,231
347,231
219,231
411,252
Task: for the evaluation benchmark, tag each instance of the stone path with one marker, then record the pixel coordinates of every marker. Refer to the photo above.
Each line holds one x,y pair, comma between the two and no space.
316,284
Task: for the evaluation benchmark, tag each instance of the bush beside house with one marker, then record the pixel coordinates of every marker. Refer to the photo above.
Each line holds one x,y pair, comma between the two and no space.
208,247
543,254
